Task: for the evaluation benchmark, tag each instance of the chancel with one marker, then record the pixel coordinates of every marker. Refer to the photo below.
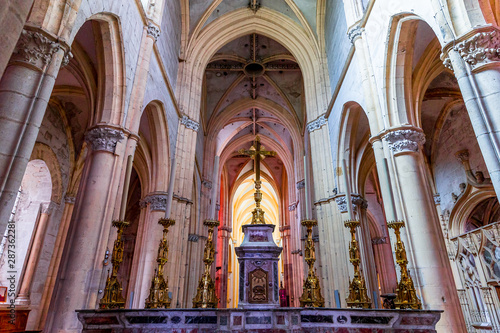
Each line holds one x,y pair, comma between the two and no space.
249,166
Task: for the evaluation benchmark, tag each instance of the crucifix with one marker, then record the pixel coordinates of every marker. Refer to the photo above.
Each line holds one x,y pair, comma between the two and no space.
257,153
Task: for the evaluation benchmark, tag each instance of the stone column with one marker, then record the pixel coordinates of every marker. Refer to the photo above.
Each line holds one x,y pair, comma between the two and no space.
223,259
475,60
80,282
146,247
25,89
432,268
48,289
23,298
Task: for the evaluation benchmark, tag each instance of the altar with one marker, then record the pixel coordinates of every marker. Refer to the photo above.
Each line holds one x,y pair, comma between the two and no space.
282,320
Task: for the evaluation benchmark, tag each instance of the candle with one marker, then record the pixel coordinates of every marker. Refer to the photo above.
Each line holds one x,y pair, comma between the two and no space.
215,180
126,185
306,189
170,193
347,191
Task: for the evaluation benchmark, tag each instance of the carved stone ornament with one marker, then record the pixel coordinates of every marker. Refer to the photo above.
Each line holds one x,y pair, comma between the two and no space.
67,57
70,200
35,48
483,47
189,123
153,31
437,199
193,238
356,200
207,184
156,202
359,201
379,240
292,207
301,184
342,203
104,138
355,33
48,207
316,124
405,140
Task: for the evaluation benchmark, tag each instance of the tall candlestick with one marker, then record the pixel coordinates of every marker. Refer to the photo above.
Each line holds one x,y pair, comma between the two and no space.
347,191
215,181
306,189
126,185
392,203
171,182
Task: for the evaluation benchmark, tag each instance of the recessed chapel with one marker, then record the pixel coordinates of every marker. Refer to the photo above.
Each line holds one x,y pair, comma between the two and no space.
249,166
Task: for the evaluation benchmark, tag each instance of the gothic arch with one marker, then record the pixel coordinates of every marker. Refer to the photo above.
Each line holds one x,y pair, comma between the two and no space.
45,153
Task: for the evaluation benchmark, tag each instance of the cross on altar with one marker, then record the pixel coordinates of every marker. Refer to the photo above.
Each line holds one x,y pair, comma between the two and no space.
257,153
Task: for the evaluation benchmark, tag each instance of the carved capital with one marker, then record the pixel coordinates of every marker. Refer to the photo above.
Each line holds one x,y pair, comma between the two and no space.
359,201
36,48
355,33
156,202
316,124
301,184
437,199
193,238
483,47
379,240
406,140
207,183
153,31
189,123
292,207
69,199
104,138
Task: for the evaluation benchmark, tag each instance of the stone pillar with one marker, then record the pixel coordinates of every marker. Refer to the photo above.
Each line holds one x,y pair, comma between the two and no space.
432,268
475,60
146,246
288,282
23,298
333,244
80,282
25,89
48,289
223,260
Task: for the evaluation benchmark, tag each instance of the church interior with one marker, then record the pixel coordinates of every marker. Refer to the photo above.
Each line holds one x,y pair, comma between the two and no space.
250,166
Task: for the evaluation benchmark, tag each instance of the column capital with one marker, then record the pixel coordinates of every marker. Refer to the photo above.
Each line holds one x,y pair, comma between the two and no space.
316,124
478,47
104,138
47,207
157,201
153,30
190,123
354,33
405,140
357,202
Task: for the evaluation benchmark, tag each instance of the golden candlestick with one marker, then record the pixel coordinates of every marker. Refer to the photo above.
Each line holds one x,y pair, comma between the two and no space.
358,296
406,296
113,298
311,295
205,293
158,292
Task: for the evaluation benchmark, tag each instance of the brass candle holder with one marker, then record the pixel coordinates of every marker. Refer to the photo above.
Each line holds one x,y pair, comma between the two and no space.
406,296
158,292
113,298
205,293
358,295
311,295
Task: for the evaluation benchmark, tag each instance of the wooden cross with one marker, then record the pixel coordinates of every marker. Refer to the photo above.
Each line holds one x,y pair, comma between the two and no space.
257,153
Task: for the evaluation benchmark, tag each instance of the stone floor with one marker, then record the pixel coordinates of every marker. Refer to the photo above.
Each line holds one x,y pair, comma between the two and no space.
282,320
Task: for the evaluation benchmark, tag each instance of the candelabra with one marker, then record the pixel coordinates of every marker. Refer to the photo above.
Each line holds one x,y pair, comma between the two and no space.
311,295
158,292
358,296
406,296
113,298
205,293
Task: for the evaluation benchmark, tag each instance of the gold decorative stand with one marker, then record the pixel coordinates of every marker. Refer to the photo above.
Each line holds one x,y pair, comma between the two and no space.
158,292
311,295
358,296
205,293
113,298
406,296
